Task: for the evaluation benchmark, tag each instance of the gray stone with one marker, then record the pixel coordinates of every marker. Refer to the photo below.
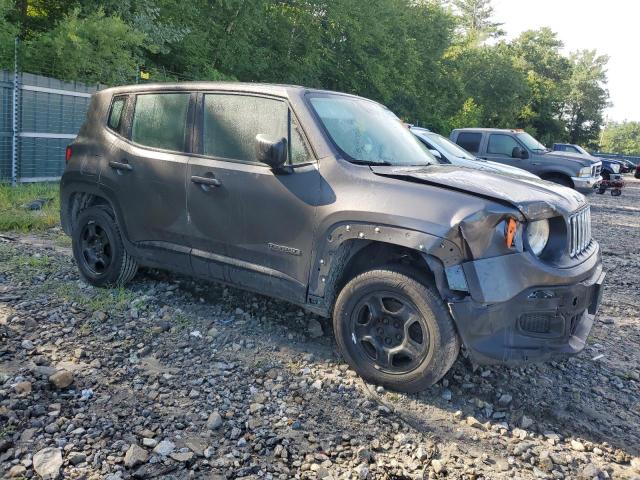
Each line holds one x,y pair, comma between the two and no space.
315,328
136,455
61,379
214,421
47,463
164,448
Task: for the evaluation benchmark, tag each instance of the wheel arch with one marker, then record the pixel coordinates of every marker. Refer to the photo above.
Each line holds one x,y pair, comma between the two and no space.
550,175
348,249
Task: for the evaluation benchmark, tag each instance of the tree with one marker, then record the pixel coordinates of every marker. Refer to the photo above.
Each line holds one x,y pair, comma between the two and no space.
475,19
587,97
622,138
8,32
93,49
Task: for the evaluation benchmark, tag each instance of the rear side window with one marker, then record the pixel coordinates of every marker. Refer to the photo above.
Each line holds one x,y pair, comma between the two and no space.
501,144
299,150
160,120
469,141
115,114
231,123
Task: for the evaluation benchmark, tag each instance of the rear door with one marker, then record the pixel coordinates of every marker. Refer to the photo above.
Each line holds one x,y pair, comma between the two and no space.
146,168
248,224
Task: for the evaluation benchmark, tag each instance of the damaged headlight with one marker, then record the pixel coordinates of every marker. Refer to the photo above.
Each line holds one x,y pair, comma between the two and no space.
537,234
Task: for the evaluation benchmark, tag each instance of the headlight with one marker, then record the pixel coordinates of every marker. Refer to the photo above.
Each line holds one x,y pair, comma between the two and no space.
538,235
585,172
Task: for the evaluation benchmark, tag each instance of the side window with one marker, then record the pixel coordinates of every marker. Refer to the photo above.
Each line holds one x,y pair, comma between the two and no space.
469,141
231,123
299,151
115,114
160,120
501,144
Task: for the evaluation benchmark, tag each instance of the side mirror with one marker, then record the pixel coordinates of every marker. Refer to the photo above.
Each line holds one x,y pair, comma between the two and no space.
435,153
518,152
271,152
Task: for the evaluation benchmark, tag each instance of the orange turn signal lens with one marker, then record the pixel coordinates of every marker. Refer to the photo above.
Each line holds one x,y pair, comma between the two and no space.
510,231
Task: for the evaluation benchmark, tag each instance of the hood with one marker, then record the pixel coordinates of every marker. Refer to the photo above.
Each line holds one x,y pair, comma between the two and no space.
584,160
533,197
490,166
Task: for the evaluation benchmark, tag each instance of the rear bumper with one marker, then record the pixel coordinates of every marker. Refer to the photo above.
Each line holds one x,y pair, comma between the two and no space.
538,323
586,184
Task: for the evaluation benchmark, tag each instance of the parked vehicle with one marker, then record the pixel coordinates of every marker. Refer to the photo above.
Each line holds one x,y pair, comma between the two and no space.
626,166
637,174
519,149
449,153
326,200
611,177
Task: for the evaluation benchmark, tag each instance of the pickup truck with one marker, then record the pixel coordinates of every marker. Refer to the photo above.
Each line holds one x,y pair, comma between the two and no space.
519,149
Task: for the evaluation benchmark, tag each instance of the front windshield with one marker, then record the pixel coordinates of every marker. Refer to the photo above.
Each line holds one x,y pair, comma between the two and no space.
449,147
531,143
366,132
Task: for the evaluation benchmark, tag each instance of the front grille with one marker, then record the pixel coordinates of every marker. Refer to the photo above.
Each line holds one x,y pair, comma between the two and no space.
579,231
536,322
595,170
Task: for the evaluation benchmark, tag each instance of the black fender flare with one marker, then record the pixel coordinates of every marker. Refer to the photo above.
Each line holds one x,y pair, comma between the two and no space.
337,245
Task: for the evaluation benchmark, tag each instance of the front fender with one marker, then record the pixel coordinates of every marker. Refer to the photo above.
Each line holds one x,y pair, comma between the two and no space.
342,240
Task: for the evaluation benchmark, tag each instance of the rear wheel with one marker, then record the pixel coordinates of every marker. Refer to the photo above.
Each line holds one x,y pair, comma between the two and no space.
99,250
394,330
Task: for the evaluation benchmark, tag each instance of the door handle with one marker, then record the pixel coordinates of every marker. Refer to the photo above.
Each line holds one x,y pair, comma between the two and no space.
208,181
120,166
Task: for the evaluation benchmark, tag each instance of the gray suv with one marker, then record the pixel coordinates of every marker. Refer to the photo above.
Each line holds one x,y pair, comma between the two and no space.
328,201
519,149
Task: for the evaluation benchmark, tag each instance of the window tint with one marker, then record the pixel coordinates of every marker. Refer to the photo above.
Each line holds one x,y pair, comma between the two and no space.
160,120
501,144
299,150
469,141
231,123
115,115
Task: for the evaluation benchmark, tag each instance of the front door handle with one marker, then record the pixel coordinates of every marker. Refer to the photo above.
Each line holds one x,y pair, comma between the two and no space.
208,181
120,166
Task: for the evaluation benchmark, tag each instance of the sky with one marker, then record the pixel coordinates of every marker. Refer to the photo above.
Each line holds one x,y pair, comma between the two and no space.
611,27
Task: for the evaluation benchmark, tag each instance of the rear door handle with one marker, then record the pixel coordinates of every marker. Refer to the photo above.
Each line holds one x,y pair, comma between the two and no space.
120,166
208,181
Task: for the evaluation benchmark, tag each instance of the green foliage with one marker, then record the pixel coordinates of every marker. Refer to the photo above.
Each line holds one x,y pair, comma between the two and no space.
428,60
8,31
622,138
96,48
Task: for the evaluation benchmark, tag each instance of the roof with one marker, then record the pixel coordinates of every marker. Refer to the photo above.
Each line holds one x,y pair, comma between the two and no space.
279,90
509,130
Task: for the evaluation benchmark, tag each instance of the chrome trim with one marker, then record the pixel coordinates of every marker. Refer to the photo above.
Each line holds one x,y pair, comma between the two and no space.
579,232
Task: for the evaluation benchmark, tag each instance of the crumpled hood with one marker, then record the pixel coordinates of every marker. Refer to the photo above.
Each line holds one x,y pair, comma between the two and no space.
534,198
584,160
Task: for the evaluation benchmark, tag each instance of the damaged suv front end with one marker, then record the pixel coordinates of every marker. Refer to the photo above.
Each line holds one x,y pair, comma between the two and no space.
531,282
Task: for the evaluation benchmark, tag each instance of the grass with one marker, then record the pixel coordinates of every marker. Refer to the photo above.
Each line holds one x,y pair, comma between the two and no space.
15,217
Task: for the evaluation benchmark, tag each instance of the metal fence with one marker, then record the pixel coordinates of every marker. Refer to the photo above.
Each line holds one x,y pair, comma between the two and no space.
39,116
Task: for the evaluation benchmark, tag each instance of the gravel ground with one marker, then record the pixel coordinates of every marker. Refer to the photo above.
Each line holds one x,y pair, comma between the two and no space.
175,378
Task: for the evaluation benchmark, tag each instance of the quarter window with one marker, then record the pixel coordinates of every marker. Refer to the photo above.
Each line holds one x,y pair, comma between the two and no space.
299,150
115,115
501,144
469,141
160,120
231,123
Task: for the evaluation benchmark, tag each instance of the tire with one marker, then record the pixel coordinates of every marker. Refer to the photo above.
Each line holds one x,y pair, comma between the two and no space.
561,180
98,249
366,316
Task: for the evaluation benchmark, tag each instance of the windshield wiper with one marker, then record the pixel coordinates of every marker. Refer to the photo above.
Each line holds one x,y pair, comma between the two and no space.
372,163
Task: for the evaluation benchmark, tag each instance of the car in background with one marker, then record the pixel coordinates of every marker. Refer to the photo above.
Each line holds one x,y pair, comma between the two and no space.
448,152
609,166
519,149
627,166
637,174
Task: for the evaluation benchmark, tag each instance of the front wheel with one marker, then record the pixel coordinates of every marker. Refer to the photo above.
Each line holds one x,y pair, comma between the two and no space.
99,250
394,330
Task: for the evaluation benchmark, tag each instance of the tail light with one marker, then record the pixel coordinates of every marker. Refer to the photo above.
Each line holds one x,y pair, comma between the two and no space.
68,153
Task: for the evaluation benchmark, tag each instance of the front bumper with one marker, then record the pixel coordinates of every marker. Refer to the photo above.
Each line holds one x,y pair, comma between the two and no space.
539,322
586,184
